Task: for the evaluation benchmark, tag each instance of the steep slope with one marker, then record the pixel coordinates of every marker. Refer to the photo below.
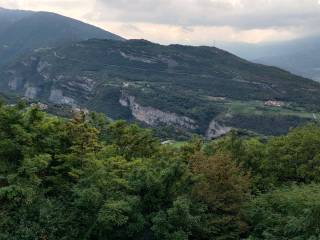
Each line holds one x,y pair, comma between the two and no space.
23,31
199,89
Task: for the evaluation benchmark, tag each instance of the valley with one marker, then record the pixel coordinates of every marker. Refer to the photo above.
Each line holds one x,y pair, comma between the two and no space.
299,56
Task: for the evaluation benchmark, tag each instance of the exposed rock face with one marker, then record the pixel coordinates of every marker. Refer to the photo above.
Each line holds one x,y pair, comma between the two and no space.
56,96
125,101
138,59
153,116
84,83
64,85
75,84
14,82
31,92
42,69
151,60
216,130
42,65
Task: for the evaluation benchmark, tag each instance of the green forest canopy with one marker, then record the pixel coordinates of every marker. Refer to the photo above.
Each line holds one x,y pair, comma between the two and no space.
88,178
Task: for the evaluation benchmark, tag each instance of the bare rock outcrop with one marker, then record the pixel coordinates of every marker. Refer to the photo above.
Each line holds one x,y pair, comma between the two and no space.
56,96
153,116
216,130
30,92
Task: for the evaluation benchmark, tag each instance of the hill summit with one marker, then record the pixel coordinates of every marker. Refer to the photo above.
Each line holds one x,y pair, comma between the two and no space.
24,31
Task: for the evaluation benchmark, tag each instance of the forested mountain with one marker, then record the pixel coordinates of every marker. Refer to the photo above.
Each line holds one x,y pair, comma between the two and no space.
198,89
24,31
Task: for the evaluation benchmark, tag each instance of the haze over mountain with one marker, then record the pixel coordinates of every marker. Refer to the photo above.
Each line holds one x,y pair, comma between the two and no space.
23,31
301,56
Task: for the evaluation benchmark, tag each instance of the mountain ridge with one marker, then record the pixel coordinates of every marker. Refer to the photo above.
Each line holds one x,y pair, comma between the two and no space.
26,31
188,87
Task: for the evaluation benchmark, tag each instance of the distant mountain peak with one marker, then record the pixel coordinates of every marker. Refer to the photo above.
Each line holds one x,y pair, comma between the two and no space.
23,31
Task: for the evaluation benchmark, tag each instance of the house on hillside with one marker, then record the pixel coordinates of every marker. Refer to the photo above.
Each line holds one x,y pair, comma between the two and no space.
273,103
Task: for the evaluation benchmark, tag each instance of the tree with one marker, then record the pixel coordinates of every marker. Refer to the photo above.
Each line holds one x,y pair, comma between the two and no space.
294,157
286,213
131,141
224,189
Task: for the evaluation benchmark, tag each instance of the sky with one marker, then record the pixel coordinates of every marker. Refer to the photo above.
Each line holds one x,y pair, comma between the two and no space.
195,22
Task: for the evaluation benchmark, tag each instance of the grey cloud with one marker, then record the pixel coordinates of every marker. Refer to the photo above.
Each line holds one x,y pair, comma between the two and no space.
242,14
130,27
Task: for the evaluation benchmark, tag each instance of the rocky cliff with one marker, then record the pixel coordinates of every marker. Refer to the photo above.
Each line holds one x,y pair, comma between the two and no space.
154,117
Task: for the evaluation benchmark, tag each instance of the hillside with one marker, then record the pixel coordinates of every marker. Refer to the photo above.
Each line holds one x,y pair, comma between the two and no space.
196,89
23,31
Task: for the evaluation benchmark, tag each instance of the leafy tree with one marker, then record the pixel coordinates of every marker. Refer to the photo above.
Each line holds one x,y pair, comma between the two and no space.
224,189
294,157
131,141
286,213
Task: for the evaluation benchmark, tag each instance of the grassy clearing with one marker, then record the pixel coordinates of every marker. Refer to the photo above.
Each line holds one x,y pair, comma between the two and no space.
258,108
179,144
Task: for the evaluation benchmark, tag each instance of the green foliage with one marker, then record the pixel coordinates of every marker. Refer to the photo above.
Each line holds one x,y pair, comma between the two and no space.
223,188
130,141
292,158
287,213
59,181
87,178
266,124
296,156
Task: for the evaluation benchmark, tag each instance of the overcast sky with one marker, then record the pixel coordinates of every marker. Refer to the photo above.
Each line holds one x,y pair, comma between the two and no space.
190,21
